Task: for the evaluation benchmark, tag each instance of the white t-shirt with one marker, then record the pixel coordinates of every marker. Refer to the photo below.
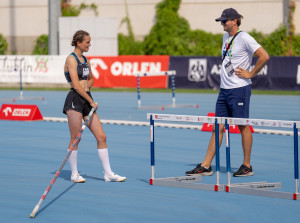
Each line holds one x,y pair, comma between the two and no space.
241,52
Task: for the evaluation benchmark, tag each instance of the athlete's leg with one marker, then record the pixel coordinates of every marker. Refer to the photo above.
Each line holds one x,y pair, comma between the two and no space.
247,140
221,110
75,123
96,128
211,151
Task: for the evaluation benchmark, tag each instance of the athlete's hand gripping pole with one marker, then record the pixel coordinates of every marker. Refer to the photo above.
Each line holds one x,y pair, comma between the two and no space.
75,142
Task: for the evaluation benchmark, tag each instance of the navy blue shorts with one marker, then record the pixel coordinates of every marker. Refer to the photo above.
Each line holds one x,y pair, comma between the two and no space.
77,103
234,102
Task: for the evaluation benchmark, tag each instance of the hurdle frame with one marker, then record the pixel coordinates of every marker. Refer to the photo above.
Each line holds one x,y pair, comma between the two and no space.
22,97
171,73
185,181
263,188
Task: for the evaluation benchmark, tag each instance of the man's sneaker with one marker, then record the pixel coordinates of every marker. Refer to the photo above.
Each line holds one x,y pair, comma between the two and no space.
200,170
113,177
77,178
244,171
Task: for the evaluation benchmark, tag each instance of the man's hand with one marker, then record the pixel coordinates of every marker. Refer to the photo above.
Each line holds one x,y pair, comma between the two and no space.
263,57
242,73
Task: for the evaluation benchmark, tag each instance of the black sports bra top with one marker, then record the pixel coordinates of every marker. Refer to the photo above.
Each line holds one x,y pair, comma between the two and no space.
83,70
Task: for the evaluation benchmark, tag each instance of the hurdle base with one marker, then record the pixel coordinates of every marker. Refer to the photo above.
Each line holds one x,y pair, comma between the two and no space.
24,98
263,189
262,185
162,107
190,182
181,106
7,100
151,107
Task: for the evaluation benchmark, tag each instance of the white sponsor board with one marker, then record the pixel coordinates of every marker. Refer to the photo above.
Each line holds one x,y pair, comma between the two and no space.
34,69
21,112
184,118
261,122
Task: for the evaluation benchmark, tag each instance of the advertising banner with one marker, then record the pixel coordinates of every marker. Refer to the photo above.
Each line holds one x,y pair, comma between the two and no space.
196,72
109,72
20,112
32,69
121,71
280,73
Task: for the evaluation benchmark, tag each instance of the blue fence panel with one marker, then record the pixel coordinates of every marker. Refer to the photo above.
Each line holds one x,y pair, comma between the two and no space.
280,73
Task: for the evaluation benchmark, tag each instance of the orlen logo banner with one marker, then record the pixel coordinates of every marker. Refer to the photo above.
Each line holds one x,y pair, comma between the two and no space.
20,112
121,71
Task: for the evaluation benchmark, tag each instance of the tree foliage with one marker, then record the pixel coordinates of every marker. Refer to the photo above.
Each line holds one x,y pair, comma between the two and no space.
205,44
278,43
171,35
41,45
3,45
129,46
67,9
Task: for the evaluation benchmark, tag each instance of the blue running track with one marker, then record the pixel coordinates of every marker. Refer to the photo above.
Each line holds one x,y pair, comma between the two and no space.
31,152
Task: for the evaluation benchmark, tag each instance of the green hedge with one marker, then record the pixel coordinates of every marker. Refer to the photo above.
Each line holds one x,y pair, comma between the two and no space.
41,45
296,45
128,46
205,44
278,43
3,45
171,35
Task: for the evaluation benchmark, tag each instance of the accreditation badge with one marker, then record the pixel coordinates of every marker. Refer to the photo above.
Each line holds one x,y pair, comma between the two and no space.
229,69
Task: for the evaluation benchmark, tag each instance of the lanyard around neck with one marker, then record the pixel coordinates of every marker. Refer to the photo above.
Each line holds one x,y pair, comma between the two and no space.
230,44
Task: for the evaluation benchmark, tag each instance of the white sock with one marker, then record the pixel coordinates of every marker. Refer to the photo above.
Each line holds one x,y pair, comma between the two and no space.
104,157
205,167
73,162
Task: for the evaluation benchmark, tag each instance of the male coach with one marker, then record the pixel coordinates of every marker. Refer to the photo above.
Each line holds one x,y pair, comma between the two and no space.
235,90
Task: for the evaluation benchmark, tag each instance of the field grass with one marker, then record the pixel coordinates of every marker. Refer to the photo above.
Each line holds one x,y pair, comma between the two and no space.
178,90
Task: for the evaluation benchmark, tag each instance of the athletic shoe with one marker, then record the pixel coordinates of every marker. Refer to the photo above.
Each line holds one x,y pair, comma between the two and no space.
200,170
244,171
77,178
113,177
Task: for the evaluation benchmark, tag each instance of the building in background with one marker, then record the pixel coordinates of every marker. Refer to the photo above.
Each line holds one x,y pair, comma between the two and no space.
25,20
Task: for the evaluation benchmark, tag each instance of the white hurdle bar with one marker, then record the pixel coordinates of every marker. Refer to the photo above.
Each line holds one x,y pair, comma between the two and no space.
262,188
21,97
186,181
171,73
253,188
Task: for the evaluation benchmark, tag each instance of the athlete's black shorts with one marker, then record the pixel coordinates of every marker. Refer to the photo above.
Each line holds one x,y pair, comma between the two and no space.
77,103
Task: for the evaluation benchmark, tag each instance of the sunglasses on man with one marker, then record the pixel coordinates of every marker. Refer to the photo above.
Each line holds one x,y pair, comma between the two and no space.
224,21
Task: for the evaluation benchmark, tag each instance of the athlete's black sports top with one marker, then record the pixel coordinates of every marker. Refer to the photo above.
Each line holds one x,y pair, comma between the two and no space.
82,69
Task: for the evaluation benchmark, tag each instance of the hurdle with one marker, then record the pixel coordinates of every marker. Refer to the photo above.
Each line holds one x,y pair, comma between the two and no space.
22,97
191,182
7,100
262,188
171,73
